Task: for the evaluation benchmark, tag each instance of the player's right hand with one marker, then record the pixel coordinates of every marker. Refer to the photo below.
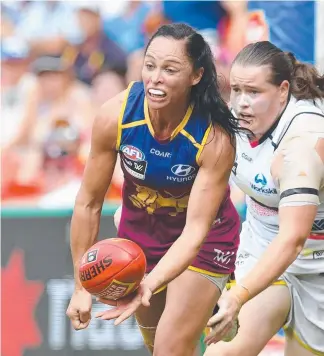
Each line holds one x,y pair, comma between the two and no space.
127,306
79,309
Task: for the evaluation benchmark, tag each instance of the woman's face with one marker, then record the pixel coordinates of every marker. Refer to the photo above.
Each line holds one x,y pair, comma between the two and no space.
89,22
53,83
168,73
255,100
105,86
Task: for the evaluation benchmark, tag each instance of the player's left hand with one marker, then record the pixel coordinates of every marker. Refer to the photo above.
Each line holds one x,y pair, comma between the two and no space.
222,322
127,306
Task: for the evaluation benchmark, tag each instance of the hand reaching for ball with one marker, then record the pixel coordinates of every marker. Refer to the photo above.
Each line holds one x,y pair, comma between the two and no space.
112,268
79,309
127,306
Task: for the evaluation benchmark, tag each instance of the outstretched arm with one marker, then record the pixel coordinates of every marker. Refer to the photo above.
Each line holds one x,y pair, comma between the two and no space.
86,215
96,179
298,171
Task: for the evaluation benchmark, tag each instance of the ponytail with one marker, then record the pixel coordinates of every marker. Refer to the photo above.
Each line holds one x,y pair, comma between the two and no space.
306,82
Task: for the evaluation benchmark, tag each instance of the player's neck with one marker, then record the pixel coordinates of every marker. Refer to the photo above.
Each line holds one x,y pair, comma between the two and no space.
164,121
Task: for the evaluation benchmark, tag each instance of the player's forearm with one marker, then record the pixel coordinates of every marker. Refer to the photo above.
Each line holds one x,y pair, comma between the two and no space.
280,254
176,260
84,232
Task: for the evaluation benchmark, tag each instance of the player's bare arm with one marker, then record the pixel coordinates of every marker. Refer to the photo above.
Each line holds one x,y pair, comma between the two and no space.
96,179
210,186
86,215
299,171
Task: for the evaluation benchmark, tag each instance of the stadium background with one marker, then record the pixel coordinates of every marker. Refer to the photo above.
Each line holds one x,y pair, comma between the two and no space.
59,62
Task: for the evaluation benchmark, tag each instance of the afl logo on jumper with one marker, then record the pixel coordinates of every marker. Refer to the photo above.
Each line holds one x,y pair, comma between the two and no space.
132,152
133,160
182,170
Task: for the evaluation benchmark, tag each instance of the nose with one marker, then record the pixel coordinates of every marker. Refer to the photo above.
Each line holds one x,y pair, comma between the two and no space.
156,76
243,101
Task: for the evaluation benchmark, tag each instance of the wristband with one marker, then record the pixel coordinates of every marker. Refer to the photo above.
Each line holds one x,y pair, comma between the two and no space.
242,293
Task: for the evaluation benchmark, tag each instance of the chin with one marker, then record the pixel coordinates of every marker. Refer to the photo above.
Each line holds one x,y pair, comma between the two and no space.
246,125
157,105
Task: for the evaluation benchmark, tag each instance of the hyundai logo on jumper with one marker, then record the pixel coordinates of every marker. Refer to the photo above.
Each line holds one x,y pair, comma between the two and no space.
182,170
183,173
260,185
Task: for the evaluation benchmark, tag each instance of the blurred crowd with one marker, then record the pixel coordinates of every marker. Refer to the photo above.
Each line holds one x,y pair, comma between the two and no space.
61,60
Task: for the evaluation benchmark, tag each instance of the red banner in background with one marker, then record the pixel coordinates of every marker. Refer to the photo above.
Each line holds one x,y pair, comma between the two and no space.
37,285
19,299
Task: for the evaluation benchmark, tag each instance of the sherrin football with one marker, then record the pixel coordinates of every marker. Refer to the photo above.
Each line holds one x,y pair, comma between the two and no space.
112,268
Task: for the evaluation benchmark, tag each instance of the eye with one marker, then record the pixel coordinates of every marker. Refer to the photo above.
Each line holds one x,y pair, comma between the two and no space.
149,66
170,70
235,90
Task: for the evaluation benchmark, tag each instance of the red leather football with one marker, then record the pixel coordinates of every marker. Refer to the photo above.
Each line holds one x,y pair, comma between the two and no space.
112,268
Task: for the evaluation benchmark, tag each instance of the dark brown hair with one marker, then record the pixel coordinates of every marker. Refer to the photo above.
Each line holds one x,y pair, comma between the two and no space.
206,94
305,81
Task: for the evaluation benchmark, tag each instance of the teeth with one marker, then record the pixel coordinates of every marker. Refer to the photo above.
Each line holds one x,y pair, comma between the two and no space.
156,92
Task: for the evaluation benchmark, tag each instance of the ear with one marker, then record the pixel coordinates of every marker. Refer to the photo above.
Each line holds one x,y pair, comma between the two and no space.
284,91
196,77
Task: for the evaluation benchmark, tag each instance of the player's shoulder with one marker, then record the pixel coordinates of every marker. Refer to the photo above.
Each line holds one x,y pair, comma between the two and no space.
221,137
219,146
105,125
306,129
307,122
302,145
111,110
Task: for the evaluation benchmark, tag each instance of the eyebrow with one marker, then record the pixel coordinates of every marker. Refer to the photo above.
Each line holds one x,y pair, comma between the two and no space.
167,60
252,87
245,85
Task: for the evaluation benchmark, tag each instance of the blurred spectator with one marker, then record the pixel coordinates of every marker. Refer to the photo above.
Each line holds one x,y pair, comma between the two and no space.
57,96
48,26
220,22
102,88
57,121
97,50
266,22
233,29
128,31
7,20
231,34
205,16
127,28
110,9
210,18
17,85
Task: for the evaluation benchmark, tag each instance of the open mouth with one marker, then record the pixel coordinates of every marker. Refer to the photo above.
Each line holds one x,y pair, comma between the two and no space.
246,117
156,93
